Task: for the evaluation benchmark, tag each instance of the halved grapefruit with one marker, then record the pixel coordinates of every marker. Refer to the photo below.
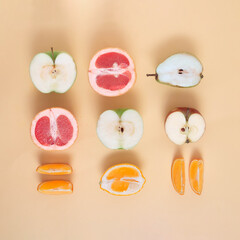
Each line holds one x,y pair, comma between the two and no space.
111,72
122,180
54,129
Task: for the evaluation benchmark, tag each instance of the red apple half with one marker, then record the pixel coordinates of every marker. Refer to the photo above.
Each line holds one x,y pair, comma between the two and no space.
184,125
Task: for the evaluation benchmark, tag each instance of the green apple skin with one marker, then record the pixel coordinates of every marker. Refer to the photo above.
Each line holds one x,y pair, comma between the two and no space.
53,57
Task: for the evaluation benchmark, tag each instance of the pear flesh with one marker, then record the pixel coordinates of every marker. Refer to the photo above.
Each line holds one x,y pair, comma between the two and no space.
181,70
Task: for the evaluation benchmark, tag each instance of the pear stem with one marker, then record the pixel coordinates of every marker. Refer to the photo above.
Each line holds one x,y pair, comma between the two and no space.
152,75
53,57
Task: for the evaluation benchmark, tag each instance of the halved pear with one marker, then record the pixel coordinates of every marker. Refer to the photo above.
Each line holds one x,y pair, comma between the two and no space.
120,129
179,70
53,72
184,125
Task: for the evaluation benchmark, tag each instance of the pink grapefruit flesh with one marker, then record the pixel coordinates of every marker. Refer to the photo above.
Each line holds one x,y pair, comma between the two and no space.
111,72
54,129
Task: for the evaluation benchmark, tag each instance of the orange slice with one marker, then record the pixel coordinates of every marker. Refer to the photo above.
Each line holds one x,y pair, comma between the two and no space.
54,169
55,187
196,175
178,175
122,180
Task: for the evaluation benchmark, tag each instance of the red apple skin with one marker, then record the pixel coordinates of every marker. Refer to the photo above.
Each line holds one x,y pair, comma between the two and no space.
187,112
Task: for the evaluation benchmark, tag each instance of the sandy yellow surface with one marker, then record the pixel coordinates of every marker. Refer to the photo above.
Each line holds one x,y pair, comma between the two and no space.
149,31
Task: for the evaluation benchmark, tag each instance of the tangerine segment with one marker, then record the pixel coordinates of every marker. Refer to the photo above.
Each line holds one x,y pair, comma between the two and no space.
196,175
122,180
57,187
55,169
178,175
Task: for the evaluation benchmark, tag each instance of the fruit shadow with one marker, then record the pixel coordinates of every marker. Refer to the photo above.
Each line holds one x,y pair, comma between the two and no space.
46,35
108,32
119,157
171,46
49,158
128,100
178,153
42,101
196,154
180,98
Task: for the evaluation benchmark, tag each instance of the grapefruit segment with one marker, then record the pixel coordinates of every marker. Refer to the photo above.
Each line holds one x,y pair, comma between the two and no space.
54,169
55,187
178,175
111,72
196,175
54,129
122,180
107,60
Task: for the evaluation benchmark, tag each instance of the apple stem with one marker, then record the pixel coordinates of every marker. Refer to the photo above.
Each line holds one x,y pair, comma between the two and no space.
53,57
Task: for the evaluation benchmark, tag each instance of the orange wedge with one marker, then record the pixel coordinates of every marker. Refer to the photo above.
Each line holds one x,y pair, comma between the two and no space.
54,169
122,180
196,175
178,175
55,187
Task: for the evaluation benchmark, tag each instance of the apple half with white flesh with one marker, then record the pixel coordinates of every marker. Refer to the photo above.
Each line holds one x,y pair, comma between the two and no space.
179,70
120,129
53,71
184,125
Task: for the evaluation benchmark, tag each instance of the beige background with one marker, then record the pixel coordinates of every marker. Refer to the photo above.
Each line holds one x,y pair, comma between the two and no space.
150,31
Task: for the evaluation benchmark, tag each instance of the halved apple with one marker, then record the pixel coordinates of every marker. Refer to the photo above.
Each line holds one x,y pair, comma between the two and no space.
179,70
120,129
53,71
184,125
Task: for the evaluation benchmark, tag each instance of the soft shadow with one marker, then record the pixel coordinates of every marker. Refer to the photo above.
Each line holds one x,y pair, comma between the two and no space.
171,46
118,157
44,177
108,33
46,34
196,154
50,157
41,101
128,100
50,38
177,153
182,98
